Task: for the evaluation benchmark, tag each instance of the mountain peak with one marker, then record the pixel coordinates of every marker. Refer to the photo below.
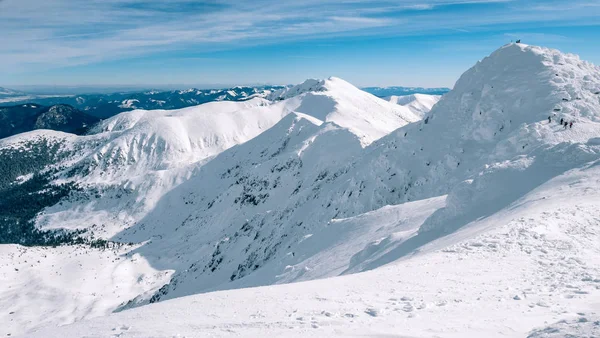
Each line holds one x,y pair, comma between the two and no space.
313,85
521,85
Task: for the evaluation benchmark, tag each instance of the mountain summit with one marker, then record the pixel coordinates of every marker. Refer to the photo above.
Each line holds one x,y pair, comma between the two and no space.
335,100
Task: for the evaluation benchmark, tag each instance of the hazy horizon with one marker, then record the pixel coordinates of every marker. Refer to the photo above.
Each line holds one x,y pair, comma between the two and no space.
107,89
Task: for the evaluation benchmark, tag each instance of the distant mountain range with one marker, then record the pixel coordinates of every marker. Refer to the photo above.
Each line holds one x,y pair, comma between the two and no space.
26,117
402,91
106,105
5,92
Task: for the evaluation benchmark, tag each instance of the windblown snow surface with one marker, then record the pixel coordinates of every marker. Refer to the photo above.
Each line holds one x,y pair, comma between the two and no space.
480,220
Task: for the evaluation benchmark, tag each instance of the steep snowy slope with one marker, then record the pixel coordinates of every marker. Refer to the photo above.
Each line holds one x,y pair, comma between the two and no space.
143,144
530,270
419,104
132,159
486,144
112,178
100,183
335,100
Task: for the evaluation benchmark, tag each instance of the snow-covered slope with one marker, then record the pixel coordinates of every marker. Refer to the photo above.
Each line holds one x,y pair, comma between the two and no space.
148,152
115,175
480,219
130,160
268,195
335,100
532,269
419,104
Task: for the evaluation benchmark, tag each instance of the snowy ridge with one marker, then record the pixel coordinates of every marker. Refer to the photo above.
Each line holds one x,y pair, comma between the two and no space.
419,104
482,122
131,161
480,132
419,216
145,153
335,100
148,152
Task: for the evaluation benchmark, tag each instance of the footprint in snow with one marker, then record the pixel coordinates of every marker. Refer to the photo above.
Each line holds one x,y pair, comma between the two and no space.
122,328
372,312
408,307
327,314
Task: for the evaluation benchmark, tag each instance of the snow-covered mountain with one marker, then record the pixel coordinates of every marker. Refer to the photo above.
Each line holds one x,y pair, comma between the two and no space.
478,220
335,100
114,176
298,177
419,104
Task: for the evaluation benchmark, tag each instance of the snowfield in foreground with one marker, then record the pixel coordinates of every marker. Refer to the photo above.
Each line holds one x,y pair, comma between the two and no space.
482,219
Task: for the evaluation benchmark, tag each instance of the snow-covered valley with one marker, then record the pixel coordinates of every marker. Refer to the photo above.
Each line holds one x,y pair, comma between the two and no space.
327,211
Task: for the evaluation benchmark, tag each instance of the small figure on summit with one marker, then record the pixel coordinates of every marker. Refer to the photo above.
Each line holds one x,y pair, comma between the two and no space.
571,125
562,121
549,119
566,124
519,41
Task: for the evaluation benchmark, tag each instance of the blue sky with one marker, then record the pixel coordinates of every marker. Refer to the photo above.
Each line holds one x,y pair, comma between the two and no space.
226,42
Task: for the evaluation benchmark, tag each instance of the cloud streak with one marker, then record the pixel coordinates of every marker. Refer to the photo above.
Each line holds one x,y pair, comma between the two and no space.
60,33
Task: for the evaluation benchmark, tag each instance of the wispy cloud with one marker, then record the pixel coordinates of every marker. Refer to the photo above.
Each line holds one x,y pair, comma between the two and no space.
54,33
